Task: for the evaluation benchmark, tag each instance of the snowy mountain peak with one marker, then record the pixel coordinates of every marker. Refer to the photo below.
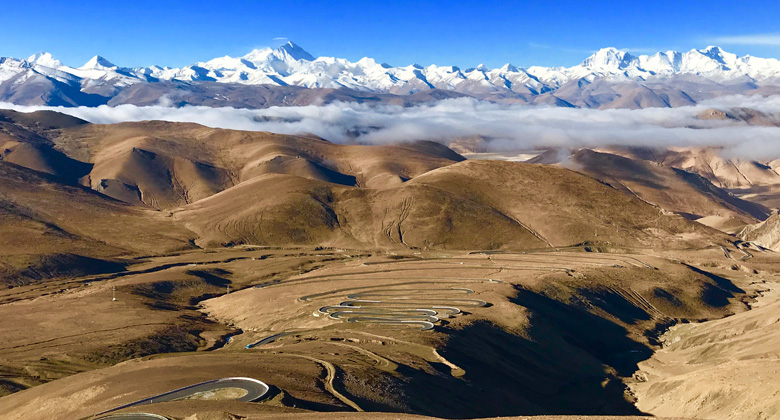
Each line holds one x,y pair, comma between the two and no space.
608,59
44,59
291,65
295,52
259,54
717,54
712,50
97,63
288,53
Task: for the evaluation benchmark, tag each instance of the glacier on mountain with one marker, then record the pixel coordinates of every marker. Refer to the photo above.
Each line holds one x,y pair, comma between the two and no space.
290,65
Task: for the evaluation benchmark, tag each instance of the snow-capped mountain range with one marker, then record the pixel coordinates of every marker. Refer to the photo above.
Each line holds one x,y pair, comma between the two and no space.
609,74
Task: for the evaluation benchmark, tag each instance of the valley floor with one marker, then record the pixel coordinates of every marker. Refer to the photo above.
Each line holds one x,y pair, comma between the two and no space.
530,333
726,368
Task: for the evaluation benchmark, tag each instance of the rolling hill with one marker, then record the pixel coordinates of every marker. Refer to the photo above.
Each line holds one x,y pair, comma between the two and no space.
142,257
261,188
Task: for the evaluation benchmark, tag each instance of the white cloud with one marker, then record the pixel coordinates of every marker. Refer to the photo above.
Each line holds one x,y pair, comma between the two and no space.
512,127
755,39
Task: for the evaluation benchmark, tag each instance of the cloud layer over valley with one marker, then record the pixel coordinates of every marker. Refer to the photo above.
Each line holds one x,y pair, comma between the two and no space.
509,127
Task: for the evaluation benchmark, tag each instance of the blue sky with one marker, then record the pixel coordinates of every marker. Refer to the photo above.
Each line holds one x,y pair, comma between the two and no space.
463,33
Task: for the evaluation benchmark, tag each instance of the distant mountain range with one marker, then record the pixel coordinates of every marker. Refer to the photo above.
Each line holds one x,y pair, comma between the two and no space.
289,75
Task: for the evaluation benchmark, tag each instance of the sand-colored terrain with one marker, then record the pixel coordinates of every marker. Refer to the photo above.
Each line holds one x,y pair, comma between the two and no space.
139,258
725,369
181,186
531,350
765,233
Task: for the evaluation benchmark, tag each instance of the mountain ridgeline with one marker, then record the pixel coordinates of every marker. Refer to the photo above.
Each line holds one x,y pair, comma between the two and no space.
204,187
288,75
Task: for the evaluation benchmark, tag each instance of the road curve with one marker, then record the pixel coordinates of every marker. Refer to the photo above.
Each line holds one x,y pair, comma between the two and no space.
423,303
254,391
573,256
329,379
133,416
433,280
269,339
424,325
414,307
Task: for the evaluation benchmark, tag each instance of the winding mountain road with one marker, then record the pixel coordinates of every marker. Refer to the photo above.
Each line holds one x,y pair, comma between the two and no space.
253,391
133,416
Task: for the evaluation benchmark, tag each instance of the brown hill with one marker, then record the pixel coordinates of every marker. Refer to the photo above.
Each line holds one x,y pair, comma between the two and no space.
24,140
161,181
43,158
747,115
560,205
756,181
165,165
251,187
282,209
765,233
40,120
472,204
668,187
550,331
644,172
42,221
725,369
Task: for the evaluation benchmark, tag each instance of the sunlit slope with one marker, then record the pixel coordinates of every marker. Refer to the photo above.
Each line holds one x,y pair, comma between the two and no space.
671,188
564,207
551,341
24,141
765,234
43,219
472,204
164,165
726,369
